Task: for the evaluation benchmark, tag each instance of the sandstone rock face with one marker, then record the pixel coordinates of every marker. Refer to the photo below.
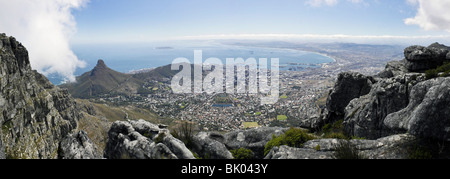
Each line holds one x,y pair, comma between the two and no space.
393,68
348,87
419,58
427,114
406,102
253,139
391,147
143,140
78,146
364,116
285,152
36,115
208,145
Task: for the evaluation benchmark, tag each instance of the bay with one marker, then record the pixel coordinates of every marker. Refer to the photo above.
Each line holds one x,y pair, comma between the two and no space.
130,57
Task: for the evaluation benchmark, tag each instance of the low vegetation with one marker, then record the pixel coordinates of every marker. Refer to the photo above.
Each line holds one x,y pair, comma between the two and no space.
242,154
282,117
185,132
346,150
441,71
294,137
334,131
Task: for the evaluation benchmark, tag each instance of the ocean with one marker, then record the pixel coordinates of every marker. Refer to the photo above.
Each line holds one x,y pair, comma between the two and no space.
130,57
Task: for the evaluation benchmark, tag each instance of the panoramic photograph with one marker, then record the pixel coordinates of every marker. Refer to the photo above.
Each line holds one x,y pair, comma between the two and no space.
225,79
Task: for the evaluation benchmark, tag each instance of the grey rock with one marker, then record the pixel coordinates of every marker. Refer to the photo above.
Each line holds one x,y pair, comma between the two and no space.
253,139
439,46
36,115
322,144
2,150
427,113
176,146
78,146
391,147
393,68
205,145
419,58
143,140
349,86
125,142
285,152
313,123
364,116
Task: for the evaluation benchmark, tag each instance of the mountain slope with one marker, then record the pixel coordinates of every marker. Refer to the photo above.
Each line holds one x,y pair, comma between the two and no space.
35,115
103,80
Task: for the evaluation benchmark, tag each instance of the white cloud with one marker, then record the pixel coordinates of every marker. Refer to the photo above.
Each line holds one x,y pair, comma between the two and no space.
45,28
431,14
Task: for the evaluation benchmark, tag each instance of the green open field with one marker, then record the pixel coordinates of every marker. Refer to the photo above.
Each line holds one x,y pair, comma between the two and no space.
250,125
282,117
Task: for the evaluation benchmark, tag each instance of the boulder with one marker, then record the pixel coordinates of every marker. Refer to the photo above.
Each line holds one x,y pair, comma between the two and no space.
286,152
391,147
393,68
253,139
427,113
419,58
143,140
350,85
78,146
208,145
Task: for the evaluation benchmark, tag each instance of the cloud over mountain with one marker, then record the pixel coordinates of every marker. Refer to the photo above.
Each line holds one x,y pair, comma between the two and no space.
45,27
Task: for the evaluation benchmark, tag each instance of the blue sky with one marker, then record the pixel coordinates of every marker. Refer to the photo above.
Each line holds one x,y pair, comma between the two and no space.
140,20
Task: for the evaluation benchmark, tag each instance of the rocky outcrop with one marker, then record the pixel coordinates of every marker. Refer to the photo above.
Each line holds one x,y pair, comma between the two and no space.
364,116
419,58
391,147
253,139
427,114
399,101
78,146
143,140
35,115
349,85
393,68
286,152
207,145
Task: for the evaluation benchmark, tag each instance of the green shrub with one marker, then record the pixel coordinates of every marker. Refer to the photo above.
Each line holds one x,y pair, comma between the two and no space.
242,153
184,132
433,73
334,130
429,74
293,137
317,148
